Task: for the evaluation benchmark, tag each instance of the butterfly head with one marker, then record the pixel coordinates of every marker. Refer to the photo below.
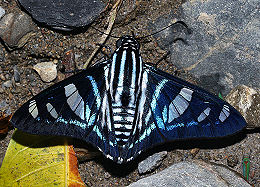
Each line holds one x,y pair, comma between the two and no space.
128,42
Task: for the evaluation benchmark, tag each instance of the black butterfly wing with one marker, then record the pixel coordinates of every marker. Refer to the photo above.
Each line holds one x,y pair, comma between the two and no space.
74,107
172,109
168,109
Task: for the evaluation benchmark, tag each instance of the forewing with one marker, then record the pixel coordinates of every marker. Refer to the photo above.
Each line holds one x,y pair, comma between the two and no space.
74,107
173,109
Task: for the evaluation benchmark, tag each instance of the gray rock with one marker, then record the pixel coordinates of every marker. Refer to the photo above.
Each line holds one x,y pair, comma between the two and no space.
46,70
196,173
247,101
16,29
151,163
223,49
2,12
65,14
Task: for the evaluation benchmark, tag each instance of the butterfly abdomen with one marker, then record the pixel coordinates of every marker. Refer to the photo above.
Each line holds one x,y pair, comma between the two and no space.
123,123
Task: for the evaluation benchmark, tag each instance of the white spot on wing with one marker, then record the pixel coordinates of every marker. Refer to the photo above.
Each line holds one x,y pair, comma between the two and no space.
204,114
173,113
33,110
52,110
179,104
80,110
224,113
70,89
186,93
74,100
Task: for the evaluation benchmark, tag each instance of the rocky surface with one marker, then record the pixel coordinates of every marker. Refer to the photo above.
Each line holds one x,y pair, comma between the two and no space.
65,14
47,45
195,173
223,50
16,29
247,102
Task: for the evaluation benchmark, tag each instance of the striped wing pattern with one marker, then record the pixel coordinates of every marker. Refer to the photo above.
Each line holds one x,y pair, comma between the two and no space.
124,107
174,109
74,107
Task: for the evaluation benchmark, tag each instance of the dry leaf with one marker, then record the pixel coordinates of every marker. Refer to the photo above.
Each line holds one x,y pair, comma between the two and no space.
32,160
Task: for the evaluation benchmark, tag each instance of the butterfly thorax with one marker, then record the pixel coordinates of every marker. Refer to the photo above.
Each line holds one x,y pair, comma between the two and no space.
125,77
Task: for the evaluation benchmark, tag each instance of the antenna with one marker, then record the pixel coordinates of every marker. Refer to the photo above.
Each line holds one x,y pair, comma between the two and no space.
142,37
175,23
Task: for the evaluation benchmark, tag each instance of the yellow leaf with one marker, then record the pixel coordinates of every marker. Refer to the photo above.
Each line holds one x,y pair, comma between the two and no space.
32,160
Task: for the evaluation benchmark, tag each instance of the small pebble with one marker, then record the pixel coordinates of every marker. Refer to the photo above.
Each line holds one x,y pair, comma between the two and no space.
46,70
2,77
151,163
194,151
16,74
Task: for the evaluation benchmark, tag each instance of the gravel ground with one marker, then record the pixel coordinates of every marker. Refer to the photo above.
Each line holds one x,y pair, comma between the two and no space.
48,45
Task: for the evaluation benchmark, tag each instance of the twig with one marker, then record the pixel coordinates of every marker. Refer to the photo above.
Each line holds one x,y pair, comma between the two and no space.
111,19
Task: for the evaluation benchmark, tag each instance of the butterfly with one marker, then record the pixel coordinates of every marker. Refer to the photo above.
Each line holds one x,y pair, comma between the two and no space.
123,107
